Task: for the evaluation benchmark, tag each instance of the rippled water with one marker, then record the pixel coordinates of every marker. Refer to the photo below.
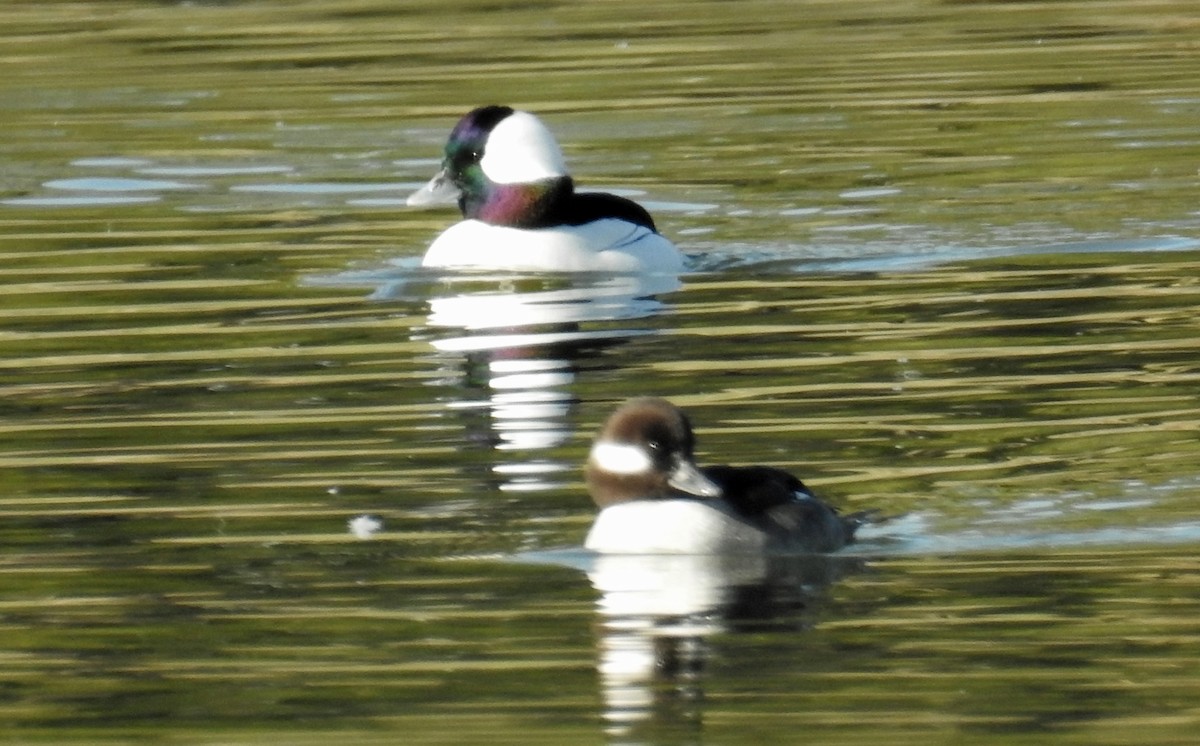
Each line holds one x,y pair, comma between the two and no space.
942,263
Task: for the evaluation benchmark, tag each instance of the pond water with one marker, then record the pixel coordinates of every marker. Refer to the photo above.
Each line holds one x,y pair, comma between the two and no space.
943,263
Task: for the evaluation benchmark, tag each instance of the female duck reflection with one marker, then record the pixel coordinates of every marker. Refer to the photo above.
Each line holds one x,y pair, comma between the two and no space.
658,614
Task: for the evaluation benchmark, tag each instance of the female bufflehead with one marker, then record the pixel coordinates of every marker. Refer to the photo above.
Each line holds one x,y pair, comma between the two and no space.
654,499
505,171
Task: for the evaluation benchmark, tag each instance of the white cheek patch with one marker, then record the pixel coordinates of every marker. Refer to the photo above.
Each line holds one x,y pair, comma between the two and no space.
520,149
621,458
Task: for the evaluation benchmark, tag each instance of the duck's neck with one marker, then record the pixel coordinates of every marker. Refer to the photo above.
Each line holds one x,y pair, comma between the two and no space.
530,205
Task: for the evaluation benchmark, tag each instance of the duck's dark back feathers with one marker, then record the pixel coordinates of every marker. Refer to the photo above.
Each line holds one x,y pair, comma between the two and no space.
585,207
783,506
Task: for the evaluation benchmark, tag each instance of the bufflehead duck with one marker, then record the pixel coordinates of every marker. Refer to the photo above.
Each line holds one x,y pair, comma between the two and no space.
521,210
654,499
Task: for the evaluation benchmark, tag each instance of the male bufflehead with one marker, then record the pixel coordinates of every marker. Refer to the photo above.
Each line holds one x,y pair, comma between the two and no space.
654,499
521,210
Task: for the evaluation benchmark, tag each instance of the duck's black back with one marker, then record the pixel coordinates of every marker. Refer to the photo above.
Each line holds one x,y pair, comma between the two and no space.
781,504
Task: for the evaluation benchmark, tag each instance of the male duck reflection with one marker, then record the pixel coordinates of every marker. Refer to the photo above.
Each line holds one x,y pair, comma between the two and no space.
506,172
642,475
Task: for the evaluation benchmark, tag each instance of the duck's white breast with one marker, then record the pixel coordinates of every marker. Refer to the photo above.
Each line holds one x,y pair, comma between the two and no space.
673,527
608,245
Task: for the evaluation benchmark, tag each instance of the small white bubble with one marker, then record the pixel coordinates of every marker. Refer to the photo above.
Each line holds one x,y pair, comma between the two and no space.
365,526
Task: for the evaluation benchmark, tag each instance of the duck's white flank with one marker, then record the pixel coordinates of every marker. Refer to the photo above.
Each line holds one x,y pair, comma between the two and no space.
608,245
673,527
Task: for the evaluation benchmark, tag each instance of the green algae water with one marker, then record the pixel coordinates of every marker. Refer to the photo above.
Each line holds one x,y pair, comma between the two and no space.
943,263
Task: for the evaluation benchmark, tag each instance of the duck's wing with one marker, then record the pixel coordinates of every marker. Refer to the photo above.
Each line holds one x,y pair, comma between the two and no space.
784,507
586,207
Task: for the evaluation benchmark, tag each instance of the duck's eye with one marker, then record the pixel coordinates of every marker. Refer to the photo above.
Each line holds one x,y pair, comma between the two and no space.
654,445
462,159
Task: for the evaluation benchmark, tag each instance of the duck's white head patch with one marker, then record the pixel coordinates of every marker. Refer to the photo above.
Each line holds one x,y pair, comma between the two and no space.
621,458
520,149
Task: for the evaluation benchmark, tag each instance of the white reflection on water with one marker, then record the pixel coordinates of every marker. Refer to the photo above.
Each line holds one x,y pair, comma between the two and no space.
1057,521
202,171
518,352
114,184
79,201
510,347
915,538
890,258
316,187
589,298
657,616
